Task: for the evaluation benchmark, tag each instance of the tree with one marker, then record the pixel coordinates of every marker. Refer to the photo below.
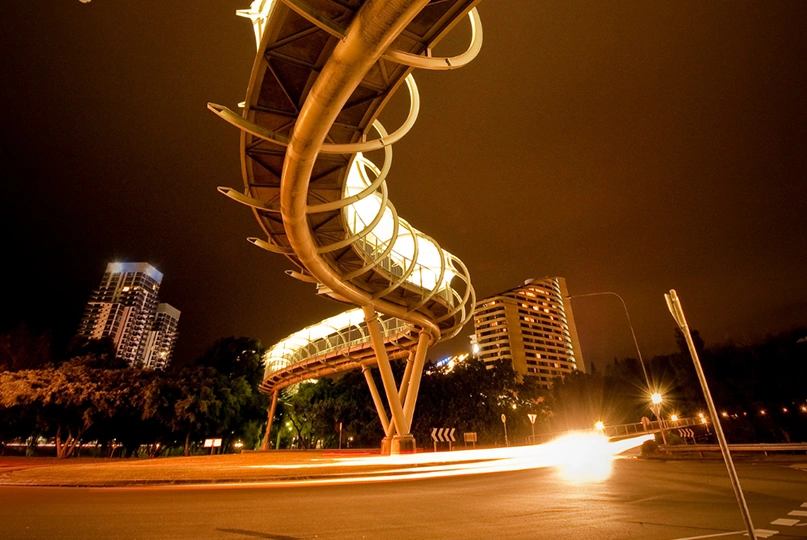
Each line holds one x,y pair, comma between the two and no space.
69,399
200,400
235,357
21,349
241,358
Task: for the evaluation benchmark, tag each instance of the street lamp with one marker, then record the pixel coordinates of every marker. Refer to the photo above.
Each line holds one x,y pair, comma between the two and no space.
630,325
657,399
638,351
599,425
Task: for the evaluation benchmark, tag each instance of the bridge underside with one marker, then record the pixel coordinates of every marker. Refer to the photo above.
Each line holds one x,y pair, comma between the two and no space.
324,71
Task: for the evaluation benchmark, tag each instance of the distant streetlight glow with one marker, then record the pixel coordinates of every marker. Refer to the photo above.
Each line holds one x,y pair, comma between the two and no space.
674,418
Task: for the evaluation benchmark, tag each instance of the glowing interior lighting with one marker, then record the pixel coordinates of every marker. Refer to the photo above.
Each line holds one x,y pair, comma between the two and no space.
360,214
280,355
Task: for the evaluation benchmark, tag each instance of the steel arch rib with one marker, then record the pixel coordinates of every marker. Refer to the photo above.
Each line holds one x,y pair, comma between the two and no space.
324,71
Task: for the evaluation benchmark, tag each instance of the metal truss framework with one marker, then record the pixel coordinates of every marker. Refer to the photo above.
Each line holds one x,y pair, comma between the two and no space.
310,138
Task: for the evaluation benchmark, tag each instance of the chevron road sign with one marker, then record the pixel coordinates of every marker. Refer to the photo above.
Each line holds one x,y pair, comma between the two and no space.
445,435
686,433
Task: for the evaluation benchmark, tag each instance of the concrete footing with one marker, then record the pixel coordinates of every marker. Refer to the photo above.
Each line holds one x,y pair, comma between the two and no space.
398,445
403,445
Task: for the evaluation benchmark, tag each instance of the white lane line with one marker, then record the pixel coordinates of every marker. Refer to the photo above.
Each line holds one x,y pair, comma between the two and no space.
797,513
761,533
784,521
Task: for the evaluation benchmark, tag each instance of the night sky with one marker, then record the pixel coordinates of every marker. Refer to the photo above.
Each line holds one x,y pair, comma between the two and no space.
627,146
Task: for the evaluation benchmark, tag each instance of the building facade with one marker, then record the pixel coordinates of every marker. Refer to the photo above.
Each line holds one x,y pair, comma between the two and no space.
162,337
531,326
124,308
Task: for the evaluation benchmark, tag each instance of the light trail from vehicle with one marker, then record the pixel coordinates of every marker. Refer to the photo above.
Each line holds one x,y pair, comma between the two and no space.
580,457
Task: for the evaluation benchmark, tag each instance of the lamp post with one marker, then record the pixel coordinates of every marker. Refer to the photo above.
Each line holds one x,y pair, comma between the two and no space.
639,352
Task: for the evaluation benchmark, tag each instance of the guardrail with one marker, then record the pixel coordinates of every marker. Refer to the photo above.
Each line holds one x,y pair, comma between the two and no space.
762,447
624,430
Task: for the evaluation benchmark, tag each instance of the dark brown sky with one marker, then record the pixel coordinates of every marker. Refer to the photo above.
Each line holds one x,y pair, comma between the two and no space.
628,146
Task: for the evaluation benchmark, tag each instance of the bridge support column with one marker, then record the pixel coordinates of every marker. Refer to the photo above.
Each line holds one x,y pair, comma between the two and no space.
270,419
404,386
402,441
379,405
384,368
414,384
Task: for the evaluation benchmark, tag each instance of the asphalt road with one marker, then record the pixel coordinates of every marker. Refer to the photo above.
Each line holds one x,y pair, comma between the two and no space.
640,500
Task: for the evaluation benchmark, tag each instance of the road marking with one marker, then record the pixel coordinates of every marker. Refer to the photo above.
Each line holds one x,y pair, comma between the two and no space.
797,513
804,505
784,521
761,533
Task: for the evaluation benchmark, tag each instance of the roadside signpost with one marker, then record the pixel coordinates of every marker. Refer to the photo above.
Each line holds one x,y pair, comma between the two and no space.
445,435
504,423
532,417
212,444
677,311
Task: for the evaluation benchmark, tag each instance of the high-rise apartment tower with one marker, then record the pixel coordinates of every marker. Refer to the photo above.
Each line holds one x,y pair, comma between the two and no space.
123,308
532,326
162,337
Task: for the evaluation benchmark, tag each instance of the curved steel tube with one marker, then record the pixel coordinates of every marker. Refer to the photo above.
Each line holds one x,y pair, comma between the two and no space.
355,246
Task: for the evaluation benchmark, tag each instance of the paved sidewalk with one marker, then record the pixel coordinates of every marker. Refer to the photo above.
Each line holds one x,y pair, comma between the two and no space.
272,466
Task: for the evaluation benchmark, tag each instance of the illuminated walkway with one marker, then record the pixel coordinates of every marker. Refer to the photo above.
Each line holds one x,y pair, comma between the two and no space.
315,164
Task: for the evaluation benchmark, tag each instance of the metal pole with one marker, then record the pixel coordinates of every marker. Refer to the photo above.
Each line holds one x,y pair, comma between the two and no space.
270,419
678,314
